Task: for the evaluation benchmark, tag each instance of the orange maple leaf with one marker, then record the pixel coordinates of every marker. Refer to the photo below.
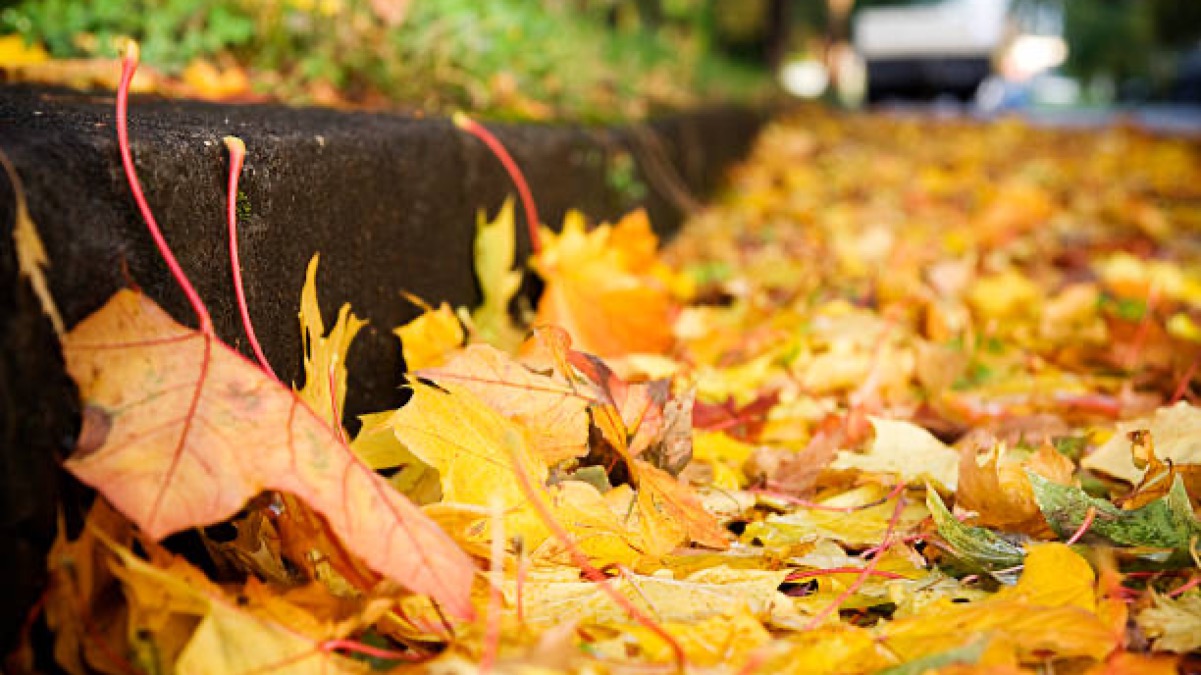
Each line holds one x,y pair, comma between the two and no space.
599,290
181,431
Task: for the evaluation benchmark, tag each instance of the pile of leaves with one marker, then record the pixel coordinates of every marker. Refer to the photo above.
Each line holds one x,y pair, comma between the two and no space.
914,397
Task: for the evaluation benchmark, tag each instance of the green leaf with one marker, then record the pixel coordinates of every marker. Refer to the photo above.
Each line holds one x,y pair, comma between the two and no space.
975,545
1167,522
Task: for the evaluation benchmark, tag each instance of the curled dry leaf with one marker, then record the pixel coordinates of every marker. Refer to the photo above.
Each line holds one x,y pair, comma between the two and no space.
1177,433
196,431
995,487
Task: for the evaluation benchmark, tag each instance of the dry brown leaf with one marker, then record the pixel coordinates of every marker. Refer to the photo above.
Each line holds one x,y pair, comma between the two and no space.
998,491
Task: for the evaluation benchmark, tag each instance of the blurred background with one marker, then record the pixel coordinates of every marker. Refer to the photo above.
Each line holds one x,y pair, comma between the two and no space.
620,59
1043,56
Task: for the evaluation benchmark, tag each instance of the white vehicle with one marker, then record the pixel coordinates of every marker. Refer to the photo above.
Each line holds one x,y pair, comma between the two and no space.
931,49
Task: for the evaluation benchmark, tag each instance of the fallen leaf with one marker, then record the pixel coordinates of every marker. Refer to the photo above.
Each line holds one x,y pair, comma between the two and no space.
669,514
864,525
727,640
998,491
32,261
427,340
829,650
968,654
596,290
724,455
324,387
220,637
1173,624
1177,433
1046,614
475,450
195,430
551,407
906,450
976,545
553,593
495,251
1167,522
83,606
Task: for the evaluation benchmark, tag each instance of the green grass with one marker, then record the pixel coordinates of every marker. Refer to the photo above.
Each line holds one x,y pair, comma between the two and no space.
502,58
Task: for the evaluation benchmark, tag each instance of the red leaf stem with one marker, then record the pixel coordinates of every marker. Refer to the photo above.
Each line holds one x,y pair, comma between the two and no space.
1089,516
871,565
1182,589
237,156
594,575
523,188
1185,381
129,66
368,650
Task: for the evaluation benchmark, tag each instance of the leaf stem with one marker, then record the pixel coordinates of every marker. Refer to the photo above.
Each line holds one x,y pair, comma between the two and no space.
129,66
1184,588
1185,381
237,157
335,422
481,132
868,569
1089,516
368,650
594,575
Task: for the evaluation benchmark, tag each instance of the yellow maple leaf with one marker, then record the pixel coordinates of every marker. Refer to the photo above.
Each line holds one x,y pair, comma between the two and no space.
475,449
32,260
324,354
1052,610
549,406
429,338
